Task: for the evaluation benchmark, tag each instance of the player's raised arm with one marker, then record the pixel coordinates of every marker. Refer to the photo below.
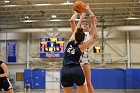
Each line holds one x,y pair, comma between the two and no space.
73,18
72,21
93,31
93,21
82,16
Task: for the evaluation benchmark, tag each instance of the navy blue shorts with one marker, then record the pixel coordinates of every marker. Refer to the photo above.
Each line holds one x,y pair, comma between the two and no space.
71,75
5,84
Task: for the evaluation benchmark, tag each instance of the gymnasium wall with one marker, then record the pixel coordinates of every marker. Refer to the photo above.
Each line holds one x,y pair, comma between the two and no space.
135,43
115,45
101,78
17,84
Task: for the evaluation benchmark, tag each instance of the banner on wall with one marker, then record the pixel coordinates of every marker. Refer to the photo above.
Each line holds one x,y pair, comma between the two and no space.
11,51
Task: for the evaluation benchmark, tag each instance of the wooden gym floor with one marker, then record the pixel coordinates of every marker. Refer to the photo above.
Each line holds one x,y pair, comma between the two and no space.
96,91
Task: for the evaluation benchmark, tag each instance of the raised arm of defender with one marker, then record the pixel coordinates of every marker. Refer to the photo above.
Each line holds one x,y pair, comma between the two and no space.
73,18
72,23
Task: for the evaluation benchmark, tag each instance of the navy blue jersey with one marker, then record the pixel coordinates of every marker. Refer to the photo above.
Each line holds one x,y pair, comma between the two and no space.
72,54
1,70
4,81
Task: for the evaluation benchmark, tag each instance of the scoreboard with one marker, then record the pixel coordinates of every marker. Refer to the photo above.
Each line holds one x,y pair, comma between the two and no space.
51,47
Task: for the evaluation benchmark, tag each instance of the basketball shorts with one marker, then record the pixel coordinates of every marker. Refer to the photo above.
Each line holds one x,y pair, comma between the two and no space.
71,75
85,58
5,84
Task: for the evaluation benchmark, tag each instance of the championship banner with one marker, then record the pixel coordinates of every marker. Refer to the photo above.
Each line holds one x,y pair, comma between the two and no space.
11,51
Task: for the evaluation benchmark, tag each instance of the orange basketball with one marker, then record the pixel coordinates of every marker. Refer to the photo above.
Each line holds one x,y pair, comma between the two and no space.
79,6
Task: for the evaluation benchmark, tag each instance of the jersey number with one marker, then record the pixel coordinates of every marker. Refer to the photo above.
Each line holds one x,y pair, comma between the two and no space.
71,50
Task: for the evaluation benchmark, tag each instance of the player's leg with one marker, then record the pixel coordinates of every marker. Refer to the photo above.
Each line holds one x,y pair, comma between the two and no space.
67,89
80,80
0,86
10,91
87,72
6,85
66,79
82,89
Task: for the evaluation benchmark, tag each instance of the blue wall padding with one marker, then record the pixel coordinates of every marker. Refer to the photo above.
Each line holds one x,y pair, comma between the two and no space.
36,78
101,78
116,78
108,78
136,78
129,78
27,76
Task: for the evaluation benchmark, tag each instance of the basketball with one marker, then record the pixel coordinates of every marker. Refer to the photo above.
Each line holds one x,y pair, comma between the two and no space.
79,6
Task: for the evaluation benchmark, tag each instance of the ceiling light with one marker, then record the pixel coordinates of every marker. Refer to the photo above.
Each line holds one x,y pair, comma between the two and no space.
29,21
131,18
6,1
38,5
53,16
56,20
41,4
26,17
11,5
66,3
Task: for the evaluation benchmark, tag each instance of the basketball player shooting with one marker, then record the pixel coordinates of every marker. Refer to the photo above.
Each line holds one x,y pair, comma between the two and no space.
88,31
71,70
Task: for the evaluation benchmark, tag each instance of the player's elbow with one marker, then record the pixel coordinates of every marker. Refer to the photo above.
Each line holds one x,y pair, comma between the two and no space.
93,17
95,37
72,21
92,23
6,74
93,20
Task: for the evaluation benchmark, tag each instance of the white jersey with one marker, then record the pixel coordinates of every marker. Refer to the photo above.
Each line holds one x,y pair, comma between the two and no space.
87,36
85,58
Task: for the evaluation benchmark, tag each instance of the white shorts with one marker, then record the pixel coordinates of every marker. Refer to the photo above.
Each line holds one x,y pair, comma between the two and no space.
85,58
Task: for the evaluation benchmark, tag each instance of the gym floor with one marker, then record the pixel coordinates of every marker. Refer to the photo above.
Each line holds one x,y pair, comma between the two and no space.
96,91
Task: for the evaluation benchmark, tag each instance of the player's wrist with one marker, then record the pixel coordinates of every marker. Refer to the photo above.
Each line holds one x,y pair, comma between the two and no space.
75,13
74,16
90,12
91,15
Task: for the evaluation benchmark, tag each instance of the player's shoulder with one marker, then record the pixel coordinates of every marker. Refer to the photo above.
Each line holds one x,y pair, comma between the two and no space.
71,42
